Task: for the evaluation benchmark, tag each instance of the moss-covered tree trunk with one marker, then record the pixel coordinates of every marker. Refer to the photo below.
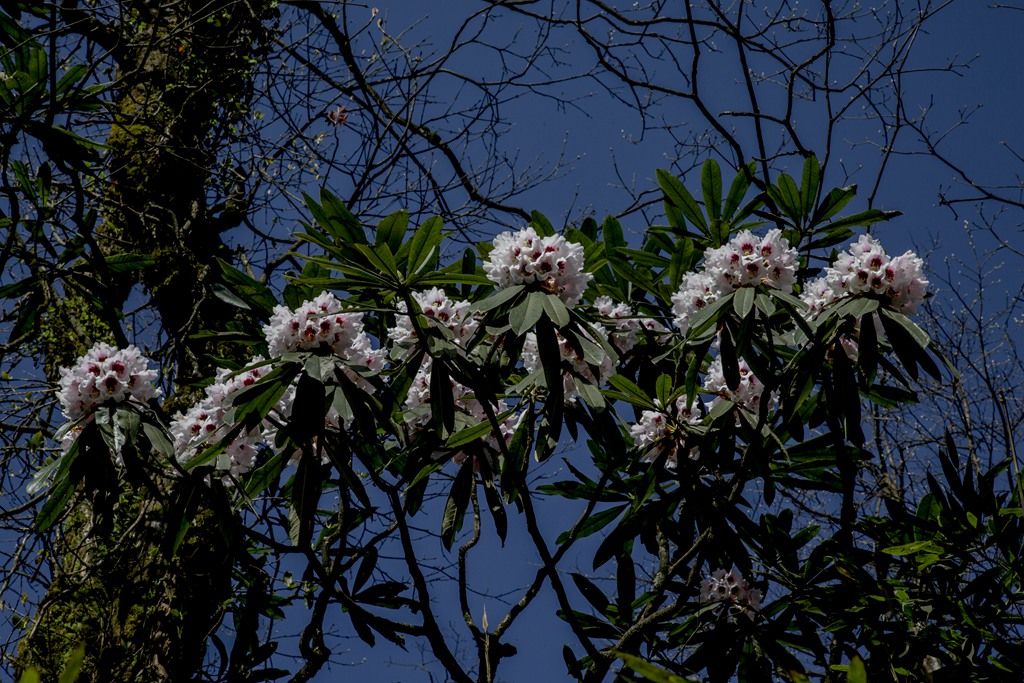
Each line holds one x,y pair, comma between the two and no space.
143,611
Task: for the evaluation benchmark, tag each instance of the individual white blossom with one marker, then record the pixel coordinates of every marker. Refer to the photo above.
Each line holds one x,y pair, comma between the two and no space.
104,374
524,257
322,321
663,432
205,423
865,268
439,310
581,369
747,394
625,326
732,590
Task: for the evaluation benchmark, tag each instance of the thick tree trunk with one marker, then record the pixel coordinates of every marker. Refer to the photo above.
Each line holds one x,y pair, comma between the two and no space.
144,612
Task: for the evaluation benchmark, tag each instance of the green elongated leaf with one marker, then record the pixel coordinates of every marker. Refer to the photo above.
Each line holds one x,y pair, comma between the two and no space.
158,440
652,673
912,548
706,317
589,590
497,508
442,400
787,197
829,237
35,63
738,190
711,185
681,198
424,245
855,307
555,310
19,288
525,315
869,217
380,257
73,75
630,392
471,434
341,222
30,675
643,258
264,475
500,297
541,224
55,504
458,500
391,230
915,332
743,301
306,490
612,231
594,523
442,278
858,672
809,184
366,567
730,359
833,203
123,263
663,388
590,394
255,402
60,493
255,295
469,270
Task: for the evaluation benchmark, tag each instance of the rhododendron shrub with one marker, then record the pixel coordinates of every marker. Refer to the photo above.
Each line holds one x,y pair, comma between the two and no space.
706,366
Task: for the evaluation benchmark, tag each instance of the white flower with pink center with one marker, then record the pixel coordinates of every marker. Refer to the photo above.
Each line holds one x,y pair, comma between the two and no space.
865,268
732,590
747,394
626,328
524,257
697,291
749,260
439,310
322,321
663,432
205,423
104,374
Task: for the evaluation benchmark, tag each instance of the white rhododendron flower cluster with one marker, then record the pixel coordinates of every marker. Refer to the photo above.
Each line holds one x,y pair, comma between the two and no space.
661,432
440,311
747,260
625,325
733,591
104,374
322,321
205,423
865,268
747,394
750,260
581,369
524,257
